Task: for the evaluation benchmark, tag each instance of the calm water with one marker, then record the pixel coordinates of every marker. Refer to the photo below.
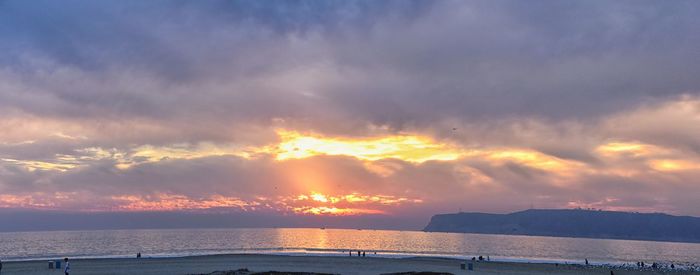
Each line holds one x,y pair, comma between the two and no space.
162,243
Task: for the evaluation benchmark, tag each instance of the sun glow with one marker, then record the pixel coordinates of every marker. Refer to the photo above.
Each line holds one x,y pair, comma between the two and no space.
334,211
344,205
409,148
319,197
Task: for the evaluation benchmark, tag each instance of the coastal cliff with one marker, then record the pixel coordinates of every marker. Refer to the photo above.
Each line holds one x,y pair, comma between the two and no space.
573,223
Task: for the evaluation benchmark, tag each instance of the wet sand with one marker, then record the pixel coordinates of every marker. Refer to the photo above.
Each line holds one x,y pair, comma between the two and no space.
317,264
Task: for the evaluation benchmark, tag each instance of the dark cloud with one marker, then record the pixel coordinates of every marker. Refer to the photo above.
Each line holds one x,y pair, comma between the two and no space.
390,63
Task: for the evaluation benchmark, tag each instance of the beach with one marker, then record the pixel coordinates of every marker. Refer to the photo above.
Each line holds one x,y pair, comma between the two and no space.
315,264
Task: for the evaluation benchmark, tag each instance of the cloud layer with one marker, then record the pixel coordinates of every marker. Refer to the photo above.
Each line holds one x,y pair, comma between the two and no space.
432,106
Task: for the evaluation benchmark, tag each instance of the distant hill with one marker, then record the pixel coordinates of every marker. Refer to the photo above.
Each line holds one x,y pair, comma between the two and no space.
573,223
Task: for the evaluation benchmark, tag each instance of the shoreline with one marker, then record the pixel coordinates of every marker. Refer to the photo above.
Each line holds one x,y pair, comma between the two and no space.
305,252
330,253
205,264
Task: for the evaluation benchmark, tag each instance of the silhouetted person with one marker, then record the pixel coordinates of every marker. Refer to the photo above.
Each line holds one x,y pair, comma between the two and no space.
672,266
586,261
66,269
350,252
612,273
138,255
654,266
363,253
358,253
481,258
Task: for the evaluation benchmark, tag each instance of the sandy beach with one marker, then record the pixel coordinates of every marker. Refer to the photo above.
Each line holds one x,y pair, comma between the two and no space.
317,264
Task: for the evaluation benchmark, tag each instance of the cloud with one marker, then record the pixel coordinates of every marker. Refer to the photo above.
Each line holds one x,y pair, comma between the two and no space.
491,106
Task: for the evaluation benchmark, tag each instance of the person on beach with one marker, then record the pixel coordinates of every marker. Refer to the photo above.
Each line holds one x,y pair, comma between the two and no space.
586,261
66,269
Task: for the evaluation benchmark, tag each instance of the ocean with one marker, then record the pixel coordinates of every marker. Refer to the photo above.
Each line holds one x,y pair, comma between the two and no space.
312,241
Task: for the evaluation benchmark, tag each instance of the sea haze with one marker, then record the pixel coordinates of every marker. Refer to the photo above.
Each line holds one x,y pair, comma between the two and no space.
55,220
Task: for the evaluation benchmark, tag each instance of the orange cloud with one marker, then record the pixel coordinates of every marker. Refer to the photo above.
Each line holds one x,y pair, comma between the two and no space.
24,201
168,202
311,204
39,200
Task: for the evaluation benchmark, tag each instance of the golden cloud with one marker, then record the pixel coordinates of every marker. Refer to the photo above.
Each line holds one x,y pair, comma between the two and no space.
411,148
672,165
633,149
656,157
33,165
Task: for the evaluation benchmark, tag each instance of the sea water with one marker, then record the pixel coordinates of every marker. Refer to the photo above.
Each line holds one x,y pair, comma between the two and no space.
336,242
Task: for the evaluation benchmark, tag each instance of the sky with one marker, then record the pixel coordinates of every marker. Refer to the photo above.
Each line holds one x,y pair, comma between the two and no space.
371,113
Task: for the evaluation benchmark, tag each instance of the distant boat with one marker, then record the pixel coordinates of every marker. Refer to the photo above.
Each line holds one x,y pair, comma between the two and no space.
323,228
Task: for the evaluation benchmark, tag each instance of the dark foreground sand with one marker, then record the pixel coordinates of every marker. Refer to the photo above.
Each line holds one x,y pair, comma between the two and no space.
319,264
